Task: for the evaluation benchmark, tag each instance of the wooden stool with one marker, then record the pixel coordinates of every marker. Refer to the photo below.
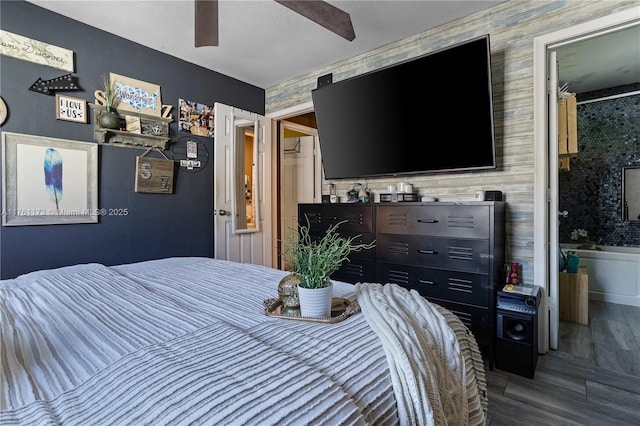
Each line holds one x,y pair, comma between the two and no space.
573,295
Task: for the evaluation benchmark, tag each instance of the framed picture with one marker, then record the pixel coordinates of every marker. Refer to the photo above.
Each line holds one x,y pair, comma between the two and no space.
136,95
195,118
48,181
71,109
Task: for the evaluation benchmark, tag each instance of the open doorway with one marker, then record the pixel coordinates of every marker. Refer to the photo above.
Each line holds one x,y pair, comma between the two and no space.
546,159
299,174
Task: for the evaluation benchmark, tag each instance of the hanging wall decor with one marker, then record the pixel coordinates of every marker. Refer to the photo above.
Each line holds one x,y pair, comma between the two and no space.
48,181
27,49
191,154
3,111
71,109
136,95
195,118
64,83
154,175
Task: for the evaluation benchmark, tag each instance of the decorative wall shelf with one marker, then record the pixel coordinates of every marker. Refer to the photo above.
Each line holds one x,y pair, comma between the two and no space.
154,131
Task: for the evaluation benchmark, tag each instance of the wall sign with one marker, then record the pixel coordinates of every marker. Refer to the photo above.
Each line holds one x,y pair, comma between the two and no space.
20,47
136,95
64,83
71,109
154,175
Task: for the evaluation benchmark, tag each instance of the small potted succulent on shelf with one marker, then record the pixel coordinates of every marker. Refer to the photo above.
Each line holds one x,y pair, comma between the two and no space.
314,260
108,119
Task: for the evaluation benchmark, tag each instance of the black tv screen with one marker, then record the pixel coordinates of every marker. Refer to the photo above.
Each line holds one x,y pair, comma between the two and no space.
430,114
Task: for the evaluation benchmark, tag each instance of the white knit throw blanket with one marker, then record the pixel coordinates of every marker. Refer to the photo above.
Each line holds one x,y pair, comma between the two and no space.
434,380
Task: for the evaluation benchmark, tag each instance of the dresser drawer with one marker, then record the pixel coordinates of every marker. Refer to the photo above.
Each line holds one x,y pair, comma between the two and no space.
443,253
358,217
463,287
355,271
475,318
364,238
313,214
466,221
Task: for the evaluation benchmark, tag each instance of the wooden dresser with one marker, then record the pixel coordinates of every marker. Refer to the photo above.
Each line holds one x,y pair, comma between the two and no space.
452,253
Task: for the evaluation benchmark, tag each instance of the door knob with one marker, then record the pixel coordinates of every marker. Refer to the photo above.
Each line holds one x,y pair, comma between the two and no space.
563,213
222,212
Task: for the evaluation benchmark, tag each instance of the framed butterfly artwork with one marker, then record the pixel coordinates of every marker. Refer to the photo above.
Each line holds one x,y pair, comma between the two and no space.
48,181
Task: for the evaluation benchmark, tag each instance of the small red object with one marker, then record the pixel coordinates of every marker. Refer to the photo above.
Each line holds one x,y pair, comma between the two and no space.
515,273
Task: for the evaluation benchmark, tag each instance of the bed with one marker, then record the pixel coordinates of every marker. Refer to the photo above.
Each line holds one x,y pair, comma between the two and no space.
187,341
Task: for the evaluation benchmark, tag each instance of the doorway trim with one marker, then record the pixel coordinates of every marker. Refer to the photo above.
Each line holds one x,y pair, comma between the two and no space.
546,220
276,117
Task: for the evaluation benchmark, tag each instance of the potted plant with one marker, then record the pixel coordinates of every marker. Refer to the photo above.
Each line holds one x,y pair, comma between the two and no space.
581,236
108,119
314,260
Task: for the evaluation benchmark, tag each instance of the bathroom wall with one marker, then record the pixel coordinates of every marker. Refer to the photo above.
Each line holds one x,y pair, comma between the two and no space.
591,191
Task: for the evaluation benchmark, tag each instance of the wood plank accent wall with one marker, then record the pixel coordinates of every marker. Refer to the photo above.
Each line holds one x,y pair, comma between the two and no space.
512,26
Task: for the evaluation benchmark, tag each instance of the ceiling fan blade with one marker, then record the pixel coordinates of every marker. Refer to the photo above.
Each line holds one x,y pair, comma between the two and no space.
325,14
206,24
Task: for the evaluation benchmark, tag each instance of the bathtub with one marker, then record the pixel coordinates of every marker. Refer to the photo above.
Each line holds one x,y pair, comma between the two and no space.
614,273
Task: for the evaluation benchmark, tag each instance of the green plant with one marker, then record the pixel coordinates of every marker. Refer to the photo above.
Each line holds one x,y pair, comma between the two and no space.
314,260
109,93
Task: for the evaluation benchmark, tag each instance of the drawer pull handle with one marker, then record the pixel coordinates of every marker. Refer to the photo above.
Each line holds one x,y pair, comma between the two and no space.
427,220
427,252
427,282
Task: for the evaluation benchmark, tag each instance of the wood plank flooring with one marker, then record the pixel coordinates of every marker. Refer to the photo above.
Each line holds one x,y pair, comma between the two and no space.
592,379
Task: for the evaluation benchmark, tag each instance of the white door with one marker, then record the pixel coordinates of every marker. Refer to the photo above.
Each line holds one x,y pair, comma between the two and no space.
231,241
554,243
298,177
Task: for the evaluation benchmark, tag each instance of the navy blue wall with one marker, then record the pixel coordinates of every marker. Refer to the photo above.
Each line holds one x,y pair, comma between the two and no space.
591,191
158,225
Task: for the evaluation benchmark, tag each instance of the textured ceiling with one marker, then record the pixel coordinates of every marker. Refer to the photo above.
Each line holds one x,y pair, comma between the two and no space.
264,43
601,62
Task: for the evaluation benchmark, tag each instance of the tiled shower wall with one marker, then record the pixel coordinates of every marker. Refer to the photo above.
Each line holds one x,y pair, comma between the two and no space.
591,191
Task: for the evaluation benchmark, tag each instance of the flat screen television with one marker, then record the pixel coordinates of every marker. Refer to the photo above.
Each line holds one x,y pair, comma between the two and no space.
426,115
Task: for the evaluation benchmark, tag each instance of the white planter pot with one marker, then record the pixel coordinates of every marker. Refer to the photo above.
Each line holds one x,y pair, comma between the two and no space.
315,302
